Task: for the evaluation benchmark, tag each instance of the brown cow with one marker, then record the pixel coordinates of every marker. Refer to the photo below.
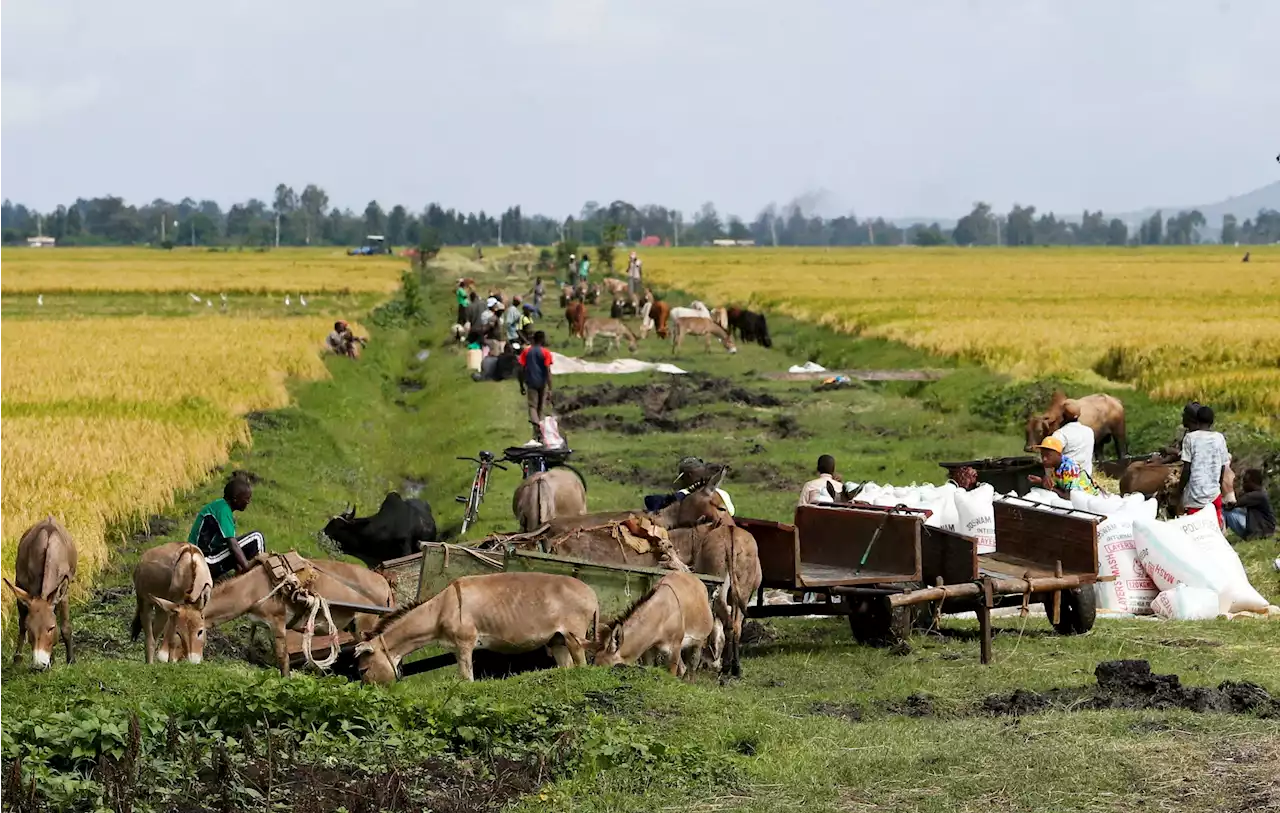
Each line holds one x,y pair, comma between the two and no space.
576,317
1103,414
1158,480
659,313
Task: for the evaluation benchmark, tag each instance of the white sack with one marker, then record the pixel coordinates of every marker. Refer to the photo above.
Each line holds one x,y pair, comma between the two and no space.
1170,559
976,517
1206,538
1184,603
1046,497
1131,590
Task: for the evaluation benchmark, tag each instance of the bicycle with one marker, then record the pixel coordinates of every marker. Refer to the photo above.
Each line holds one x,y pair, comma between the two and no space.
479,484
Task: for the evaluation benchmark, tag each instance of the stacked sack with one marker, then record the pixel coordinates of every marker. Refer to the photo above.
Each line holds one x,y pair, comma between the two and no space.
964,512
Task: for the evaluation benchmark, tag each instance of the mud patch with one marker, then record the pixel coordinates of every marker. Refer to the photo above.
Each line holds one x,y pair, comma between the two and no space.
753,632
1131,685
916,705
691,390
841,711
410,385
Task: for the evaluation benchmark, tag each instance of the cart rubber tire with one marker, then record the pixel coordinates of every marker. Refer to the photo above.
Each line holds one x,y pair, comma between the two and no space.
1078,612
874,622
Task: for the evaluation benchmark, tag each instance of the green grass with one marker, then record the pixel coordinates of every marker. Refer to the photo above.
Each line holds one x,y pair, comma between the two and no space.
785,730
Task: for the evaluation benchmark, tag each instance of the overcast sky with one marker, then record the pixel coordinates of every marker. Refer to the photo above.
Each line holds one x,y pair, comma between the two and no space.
896,107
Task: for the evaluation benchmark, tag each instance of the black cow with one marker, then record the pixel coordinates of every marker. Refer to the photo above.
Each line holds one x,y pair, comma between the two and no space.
754,328
389,534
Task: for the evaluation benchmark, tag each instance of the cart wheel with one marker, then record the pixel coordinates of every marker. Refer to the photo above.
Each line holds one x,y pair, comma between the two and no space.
873,621
1078,612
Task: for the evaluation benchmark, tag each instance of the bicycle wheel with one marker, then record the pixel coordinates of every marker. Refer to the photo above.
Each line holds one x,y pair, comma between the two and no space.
473,506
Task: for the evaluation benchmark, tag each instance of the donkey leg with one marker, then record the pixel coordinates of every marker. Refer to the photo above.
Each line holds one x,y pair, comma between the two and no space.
465,670
22,632
167,635
675,663
695,660
281,647
64,625
576,650
561,653
146,614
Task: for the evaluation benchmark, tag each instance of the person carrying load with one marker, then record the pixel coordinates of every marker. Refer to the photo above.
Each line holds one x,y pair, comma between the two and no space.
214,531
1061,473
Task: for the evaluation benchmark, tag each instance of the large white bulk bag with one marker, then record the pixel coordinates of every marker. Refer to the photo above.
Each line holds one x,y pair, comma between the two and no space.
1131,589
942,503
1202,531
1046,497
1170,559
975,516
1184,603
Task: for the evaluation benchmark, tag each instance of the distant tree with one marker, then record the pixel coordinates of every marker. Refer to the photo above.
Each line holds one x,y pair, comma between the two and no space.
1151,233
610,236
374,219
1230,229
1020,227
976,228
1117,232
396,225
930,235
314,204
737,229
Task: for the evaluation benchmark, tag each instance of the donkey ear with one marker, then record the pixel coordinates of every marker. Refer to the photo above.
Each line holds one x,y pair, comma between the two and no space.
22,595
362,649
165,604
60,592
615,640
716,479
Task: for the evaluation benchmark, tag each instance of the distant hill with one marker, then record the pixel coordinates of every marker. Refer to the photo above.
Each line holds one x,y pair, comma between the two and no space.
1244,207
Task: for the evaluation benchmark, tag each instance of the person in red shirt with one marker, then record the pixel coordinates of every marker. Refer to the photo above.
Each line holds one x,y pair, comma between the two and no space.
535,381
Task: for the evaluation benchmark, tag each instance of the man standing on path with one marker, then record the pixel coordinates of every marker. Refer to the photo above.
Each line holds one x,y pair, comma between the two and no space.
463,300
634,283
584,269
511,320
539,291
535,381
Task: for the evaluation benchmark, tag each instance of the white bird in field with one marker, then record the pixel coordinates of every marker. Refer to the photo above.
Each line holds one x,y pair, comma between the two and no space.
286,300
208,303
40,300
194,298
224,297
302,300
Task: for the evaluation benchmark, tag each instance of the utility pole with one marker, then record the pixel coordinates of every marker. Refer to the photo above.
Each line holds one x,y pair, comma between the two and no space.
193,232
499,232
871,234
277,230
997,231
773,230
676,222
163,218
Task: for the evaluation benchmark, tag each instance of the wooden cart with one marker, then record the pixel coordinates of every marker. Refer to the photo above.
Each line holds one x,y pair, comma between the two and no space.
1043,554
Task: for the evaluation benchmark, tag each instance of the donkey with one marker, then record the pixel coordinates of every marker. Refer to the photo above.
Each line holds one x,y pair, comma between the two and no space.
558,492
173,584
672,618
502,612
700,326
45,568
252,593
702,505
613,329
729,551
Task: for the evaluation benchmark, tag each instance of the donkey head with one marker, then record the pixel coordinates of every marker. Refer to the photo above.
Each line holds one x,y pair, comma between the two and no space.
40,620
184,632
374,663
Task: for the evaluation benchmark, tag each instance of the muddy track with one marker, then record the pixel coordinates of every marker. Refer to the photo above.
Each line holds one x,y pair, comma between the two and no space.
1127,685
660,398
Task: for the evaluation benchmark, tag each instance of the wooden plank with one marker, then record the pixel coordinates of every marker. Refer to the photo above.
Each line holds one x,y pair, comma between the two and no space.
443,563
841,537
946,555
1043,536
779,551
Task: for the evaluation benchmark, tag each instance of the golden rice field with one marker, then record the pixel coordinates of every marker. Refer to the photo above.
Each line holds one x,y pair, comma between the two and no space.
1176,322
106,417
196,270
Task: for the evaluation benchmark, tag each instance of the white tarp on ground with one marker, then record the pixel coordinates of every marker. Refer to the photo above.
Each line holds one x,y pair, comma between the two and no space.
807,367
567,365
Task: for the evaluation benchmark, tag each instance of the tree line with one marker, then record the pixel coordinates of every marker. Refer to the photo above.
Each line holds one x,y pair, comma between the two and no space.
294,218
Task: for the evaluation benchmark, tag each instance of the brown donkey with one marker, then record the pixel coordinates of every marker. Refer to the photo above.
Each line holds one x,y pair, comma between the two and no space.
700,326
502,612
672,618
173,585
45,568
252,593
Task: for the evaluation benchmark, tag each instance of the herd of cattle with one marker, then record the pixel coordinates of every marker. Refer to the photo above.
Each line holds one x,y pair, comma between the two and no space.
722,324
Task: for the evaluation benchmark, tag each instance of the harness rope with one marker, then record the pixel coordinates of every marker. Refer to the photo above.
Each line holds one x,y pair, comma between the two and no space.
313,605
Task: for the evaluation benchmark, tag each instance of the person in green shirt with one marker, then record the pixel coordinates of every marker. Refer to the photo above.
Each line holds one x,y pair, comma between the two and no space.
464,299
214,531
584,268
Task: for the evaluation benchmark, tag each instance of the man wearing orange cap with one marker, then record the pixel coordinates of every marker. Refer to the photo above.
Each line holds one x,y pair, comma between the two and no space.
1061,473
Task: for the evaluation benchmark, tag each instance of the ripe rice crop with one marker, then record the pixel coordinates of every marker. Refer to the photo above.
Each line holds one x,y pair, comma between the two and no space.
1176,322
106,417
196,270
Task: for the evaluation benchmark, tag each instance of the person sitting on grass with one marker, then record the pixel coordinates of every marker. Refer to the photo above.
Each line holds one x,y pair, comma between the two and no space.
1061,473
1251,516
343,342
214,531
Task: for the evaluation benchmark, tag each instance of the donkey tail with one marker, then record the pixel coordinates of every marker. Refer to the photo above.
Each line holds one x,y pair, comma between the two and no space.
546,506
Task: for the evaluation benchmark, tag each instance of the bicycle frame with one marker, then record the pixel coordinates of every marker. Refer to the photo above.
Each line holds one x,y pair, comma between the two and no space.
479,484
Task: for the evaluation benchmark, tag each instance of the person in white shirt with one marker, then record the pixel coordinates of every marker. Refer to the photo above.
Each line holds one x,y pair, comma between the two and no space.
823,489
1077,439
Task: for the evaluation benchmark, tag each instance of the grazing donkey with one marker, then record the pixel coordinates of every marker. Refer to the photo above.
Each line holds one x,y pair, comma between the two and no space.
700,326
45,568
173,585
672,618
613,329
502,612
